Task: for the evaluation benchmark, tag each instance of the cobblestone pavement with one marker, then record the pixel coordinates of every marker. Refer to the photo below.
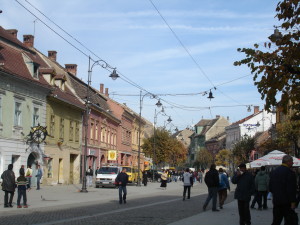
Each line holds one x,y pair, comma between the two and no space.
145,205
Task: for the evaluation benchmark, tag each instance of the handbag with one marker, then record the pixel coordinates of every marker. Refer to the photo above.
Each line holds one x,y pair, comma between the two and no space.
292,217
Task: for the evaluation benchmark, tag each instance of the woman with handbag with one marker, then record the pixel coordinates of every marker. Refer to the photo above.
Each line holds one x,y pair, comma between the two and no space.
164,178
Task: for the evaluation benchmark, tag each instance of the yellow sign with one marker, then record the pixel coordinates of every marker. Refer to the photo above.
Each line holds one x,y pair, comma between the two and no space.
112,155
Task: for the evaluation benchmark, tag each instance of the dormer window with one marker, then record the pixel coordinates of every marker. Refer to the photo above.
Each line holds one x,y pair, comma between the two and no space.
35,71
32,67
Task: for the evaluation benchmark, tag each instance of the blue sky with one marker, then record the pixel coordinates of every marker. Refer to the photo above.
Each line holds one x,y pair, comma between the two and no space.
132,36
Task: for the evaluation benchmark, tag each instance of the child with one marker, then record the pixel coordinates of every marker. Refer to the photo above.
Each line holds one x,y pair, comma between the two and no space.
22,186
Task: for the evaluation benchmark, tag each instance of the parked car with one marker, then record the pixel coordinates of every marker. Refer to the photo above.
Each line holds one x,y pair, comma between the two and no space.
157,175
107,175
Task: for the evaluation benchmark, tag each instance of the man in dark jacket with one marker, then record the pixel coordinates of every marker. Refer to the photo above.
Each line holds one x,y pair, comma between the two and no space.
8,185
122,180
212,181
283,187
244,189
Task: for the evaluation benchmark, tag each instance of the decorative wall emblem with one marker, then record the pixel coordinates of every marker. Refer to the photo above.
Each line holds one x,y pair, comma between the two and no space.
37,134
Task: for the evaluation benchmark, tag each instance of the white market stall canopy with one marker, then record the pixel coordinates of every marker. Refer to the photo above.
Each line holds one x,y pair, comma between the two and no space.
274,158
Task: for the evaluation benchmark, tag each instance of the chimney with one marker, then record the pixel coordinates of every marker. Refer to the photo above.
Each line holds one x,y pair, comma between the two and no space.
256,109
106,92
71,68
52,55
13,32
28,40
101,88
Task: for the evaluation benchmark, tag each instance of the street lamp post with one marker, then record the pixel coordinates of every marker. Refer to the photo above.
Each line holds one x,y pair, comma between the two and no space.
114,75
158,104
162,111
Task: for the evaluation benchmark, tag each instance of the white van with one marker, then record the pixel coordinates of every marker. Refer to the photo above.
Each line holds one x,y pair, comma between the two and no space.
107,175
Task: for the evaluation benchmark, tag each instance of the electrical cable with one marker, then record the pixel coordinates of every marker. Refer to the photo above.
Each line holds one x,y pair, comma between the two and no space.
52,29
181,43
126,79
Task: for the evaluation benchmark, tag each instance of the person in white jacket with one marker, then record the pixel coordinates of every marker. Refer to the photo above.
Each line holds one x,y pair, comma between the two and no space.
187,183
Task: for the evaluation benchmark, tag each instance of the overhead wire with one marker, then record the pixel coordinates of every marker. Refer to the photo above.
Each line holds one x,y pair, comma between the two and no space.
181,43
52,29
123,77
185,48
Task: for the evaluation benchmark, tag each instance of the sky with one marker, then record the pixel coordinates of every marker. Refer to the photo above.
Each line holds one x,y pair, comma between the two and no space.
177,50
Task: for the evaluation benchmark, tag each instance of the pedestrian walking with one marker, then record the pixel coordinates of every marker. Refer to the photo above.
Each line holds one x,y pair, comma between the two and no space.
8,185
195,176
145,178
211,179
122,180
223,187
38,177
22,170
28,175
200,176
283,187
164,178
255,195
22,185
244,189
89,176
96,171
262,186
187,183
175,175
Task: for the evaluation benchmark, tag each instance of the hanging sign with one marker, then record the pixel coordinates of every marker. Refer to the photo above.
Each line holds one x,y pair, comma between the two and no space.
112,155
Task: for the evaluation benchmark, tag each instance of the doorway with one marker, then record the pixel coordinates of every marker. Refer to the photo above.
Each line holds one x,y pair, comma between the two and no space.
31,161
72,162
60,171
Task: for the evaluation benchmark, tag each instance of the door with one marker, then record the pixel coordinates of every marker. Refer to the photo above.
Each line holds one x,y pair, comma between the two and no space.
60,171
72,160
31,161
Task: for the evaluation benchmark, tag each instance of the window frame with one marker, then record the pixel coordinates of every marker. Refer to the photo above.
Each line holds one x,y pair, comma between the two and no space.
18,118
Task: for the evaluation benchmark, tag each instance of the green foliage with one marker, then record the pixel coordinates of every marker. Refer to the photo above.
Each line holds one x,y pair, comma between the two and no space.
288,134
163,148
204,158
223,158
242,149
276,68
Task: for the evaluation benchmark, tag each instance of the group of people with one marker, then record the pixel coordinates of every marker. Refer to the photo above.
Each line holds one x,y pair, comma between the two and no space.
22,183
217,183
281,183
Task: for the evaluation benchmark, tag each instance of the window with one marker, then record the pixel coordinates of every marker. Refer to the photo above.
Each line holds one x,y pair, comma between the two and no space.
96,131
71,131
50,168
92,130
36,116
52,125
35,70
103,134
18,114
0,109
61,128
76,131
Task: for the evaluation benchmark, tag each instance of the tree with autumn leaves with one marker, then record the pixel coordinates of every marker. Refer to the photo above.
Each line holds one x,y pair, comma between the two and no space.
275,64
164,149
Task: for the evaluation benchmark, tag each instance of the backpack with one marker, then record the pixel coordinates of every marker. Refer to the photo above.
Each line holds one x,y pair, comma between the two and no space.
222,183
